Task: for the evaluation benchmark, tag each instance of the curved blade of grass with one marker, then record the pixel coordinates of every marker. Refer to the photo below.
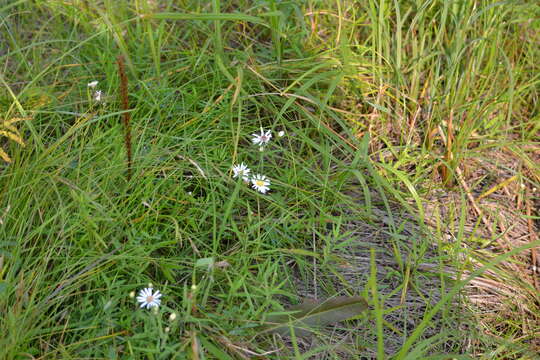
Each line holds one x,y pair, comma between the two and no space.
214,16
213,349
409,186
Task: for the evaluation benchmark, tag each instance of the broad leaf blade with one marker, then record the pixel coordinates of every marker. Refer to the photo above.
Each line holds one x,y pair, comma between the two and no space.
311,315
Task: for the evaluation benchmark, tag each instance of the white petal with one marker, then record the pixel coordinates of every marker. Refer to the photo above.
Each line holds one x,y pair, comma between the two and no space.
145,292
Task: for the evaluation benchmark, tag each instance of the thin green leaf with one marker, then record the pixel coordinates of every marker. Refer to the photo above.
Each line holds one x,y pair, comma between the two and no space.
213,16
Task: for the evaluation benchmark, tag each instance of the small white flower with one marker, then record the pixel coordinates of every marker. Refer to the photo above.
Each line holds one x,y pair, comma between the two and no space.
281,133
97,96
241,170
262,138
92,84
172,316
147,297
260,183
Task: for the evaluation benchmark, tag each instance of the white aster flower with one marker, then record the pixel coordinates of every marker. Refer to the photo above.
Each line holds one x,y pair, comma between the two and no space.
92,84
260,183
97,96
263,138
147,297
241,170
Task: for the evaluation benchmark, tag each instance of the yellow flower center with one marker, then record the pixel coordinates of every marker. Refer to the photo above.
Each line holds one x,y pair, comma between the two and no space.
259,183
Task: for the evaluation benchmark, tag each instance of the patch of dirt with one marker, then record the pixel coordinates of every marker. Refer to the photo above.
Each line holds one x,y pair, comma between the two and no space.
404,260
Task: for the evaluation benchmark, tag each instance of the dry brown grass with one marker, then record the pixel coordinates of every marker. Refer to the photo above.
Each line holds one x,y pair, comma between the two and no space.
505,301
